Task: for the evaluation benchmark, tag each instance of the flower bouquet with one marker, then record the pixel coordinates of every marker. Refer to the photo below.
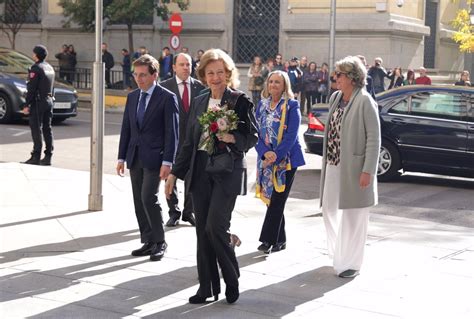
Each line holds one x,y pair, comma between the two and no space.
216,120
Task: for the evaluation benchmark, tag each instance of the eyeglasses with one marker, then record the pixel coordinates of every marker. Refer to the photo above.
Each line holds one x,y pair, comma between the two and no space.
338,74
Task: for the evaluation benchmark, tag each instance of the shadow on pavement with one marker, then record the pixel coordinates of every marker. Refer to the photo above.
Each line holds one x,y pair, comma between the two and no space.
276,300
73,245
45,218
125,298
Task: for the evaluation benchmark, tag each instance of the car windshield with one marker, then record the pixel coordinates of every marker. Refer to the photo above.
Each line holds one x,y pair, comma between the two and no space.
14,62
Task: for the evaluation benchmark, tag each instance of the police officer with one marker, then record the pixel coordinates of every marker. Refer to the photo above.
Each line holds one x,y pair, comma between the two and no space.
39,106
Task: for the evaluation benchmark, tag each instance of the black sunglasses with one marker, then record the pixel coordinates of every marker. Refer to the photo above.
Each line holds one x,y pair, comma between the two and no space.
338,74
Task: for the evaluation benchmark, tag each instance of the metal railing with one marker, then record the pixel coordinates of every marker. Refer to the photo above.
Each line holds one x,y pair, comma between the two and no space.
81,78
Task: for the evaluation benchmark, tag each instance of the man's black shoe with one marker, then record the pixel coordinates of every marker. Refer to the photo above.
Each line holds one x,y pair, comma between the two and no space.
158,252
190,219
265,247
33,160
145,250
46,161
173,221
349,273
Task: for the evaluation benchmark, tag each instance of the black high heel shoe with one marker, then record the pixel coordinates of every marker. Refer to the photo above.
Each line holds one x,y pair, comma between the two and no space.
196,299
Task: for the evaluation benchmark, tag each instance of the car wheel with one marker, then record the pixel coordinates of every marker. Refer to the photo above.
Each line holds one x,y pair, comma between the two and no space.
6,112
389,162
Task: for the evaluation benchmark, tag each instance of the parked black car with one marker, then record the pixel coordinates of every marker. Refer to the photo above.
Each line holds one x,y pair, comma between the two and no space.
13,75
426,129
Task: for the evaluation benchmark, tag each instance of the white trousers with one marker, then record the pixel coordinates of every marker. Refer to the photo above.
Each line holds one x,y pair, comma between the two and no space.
346,228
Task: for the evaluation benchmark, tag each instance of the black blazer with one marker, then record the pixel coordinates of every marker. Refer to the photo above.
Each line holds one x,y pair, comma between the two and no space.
245,137
157,140
196,88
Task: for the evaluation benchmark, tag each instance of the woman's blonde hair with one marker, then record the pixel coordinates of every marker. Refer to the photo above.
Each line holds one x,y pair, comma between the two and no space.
287,92
212,55
354,69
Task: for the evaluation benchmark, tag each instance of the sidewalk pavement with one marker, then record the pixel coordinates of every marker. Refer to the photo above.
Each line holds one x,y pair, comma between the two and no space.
60,261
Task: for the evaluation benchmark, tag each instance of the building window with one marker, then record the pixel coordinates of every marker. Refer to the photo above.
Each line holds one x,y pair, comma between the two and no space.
14,12
256,29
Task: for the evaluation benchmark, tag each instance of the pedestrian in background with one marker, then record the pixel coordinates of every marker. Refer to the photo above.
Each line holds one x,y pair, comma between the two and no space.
256,79
378,75
148,143
464,79
279,64
323,76
39,106
349,168
186,89
304,68
279,155
109,62
166,64
423,79
410,80
72,63
126,69
310,86
63,62
396,78
214,194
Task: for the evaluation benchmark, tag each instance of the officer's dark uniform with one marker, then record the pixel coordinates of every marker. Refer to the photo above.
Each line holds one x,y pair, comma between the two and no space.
40,100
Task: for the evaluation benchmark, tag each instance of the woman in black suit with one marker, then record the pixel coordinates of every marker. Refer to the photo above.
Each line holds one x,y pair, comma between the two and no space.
214,195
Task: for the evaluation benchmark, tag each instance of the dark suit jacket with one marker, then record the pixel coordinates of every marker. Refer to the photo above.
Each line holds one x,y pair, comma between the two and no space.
196,88
157,140
245,135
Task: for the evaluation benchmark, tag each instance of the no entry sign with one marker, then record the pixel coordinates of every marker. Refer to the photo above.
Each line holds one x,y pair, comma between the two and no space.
176,23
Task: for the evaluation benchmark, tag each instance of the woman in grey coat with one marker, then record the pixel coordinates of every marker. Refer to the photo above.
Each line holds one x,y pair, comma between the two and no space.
350,157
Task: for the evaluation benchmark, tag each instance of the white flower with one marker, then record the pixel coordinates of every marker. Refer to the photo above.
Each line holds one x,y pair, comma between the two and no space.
222,124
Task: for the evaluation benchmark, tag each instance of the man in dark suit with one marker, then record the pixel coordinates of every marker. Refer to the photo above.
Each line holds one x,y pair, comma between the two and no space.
148,143
186,89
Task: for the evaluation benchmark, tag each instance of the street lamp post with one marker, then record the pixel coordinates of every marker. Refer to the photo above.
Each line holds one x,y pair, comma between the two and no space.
332,41
97,125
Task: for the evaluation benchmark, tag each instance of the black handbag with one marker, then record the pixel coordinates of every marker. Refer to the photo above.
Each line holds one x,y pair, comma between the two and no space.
222,163
259,80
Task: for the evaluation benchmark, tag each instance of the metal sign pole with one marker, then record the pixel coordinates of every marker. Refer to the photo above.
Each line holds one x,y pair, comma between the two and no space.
97,125
332,40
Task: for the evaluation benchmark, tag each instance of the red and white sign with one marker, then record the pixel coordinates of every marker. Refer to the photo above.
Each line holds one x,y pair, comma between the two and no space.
176,23
174,42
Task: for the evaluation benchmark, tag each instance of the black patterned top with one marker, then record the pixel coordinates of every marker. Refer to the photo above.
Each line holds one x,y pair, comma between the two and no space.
334,135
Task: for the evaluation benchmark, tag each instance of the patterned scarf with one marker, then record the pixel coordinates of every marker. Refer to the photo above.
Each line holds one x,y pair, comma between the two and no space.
272,124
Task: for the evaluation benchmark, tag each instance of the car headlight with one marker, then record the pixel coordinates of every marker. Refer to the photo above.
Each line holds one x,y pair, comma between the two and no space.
21,87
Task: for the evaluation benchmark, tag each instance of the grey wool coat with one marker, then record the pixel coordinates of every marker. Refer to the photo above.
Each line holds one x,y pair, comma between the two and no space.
360,146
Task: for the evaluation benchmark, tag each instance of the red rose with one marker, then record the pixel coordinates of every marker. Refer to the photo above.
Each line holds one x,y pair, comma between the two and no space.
214,127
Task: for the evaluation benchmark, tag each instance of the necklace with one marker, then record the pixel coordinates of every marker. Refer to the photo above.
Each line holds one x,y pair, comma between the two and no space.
273,105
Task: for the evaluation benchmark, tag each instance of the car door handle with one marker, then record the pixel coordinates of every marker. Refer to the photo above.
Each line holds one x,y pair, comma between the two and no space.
398,121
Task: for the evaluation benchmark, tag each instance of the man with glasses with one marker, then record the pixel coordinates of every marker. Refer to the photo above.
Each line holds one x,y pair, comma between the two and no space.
278,63
148,143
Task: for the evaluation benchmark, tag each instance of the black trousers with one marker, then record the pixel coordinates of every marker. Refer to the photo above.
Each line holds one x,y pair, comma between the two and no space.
173,202
145,184
40,124
213,211
273,229
107,78
311,97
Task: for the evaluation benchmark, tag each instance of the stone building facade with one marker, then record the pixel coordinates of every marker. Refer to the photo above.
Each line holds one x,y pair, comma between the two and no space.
416,34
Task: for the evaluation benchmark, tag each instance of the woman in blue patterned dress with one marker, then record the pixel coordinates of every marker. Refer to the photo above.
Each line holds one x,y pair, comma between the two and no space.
279,155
